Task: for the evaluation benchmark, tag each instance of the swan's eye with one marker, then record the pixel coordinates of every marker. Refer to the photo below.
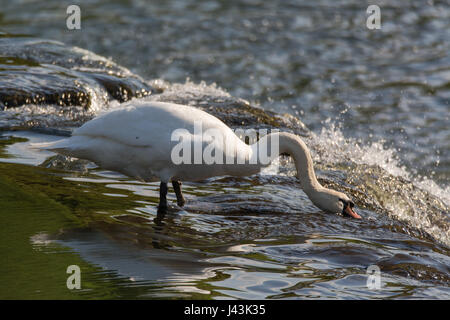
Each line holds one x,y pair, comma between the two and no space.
344,202
351,204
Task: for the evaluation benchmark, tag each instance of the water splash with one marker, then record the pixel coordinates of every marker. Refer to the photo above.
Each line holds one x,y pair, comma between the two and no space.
189,92
378,170
332,146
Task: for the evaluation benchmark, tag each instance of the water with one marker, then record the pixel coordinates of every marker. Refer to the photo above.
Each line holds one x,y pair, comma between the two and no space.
372,105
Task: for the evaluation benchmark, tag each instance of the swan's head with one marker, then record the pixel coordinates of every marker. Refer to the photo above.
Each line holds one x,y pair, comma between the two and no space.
336,202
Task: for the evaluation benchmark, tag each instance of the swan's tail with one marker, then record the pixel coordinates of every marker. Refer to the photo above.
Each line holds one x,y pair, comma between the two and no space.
76,146
63,146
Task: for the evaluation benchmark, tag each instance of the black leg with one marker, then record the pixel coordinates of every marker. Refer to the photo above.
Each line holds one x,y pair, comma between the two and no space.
177,188
160,215
162,207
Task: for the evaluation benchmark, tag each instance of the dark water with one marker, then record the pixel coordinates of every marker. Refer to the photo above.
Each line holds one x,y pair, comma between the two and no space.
376,103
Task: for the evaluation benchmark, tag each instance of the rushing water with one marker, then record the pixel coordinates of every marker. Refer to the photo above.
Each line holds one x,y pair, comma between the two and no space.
373,106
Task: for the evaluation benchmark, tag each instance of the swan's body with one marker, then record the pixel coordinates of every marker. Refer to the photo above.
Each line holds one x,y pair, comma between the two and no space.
136,140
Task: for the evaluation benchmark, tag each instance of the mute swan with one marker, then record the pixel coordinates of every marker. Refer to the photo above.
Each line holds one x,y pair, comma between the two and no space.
137,140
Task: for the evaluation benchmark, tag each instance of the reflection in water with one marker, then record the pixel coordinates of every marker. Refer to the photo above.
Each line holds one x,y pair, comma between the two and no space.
143,266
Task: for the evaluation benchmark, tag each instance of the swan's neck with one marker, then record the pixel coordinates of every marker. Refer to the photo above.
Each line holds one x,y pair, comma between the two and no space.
297,149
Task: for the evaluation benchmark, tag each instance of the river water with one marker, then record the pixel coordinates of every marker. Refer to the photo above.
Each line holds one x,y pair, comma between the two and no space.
373,106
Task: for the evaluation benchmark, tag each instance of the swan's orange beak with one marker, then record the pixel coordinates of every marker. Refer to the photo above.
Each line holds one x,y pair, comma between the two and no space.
348,210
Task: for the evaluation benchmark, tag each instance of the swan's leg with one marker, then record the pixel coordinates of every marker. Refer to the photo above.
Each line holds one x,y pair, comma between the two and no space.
177,188
162,197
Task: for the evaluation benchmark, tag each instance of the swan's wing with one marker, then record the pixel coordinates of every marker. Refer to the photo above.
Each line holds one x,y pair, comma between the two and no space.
147,124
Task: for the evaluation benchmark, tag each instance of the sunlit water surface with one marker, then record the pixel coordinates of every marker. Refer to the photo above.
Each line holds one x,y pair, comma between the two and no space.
377,104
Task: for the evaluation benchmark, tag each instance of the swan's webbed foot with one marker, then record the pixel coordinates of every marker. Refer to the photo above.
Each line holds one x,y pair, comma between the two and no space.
177,188
162,207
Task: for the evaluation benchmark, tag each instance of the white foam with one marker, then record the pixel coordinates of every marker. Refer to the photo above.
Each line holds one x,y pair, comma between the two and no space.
188,91
336,147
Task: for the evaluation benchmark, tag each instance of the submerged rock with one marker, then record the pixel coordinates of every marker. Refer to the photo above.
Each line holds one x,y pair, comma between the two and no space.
234,112
34,71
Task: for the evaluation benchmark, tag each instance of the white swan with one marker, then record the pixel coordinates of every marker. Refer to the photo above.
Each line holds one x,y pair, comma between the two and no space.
136,140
